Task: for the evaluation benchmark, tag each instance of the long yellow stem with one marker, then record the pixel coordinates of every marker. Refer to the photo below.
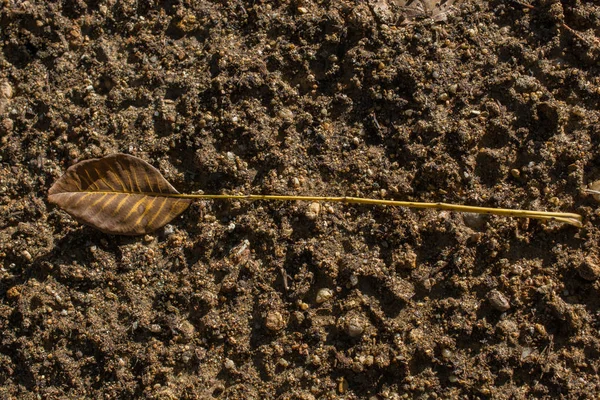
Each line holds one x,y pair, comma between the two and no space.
568,218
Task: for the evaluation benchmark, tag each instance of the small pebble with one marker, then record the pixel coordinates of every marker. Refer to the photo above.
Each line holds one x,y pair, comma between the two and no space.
498,301
14,292
27,255
595,189
286,115
314,209
368,361
168,229
474,220
302,305
447,354
354,326
526,352
342,386
589,269
274,321
324,295
515,173
229,364
283,362
187,329
6,125
6,90
302,10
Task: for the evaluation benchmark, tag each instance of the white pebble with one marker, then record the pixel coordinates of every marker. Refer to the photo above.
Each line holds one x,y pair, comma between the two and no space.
229,364
354,327
323,295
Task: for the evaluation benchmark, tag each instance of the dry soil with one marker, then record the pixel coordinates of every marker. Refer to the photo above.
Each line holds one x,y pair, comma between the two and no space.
496,106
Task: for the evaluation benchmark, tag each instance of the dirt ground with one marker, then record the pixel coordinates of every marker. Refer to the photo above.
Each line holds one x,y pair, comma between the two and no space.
496,106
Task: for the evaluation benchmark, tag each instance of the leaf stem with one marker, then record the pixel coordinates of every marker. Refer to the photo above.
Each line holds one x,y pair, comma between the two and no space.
568,218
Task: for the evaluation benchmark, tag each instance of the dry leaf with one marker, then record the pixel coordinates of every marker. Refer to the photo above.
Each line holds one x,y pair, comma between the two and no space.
118,194
412,10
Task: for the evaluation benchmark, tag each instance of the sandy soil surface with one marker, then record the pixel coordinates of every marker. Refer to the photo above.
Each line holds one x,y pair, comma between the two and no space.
496,106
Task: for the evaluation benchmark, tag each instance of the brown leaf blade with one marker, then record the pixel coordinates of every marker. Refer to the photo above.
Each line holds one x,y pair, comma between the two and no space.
118,194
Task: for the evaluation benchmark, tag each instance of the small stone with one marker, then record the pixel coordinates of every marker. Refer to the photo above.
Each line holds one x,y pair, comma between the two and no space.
515,173
594,189
342,385
274,321
27,255
14,292
447,354
354,326
303,306
367,361
187,329
410,259
168,230
302,10
498,301
474,220
6,90
283,362
314,209
286,115
589,269
188,23
323,295
229,364
6,126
